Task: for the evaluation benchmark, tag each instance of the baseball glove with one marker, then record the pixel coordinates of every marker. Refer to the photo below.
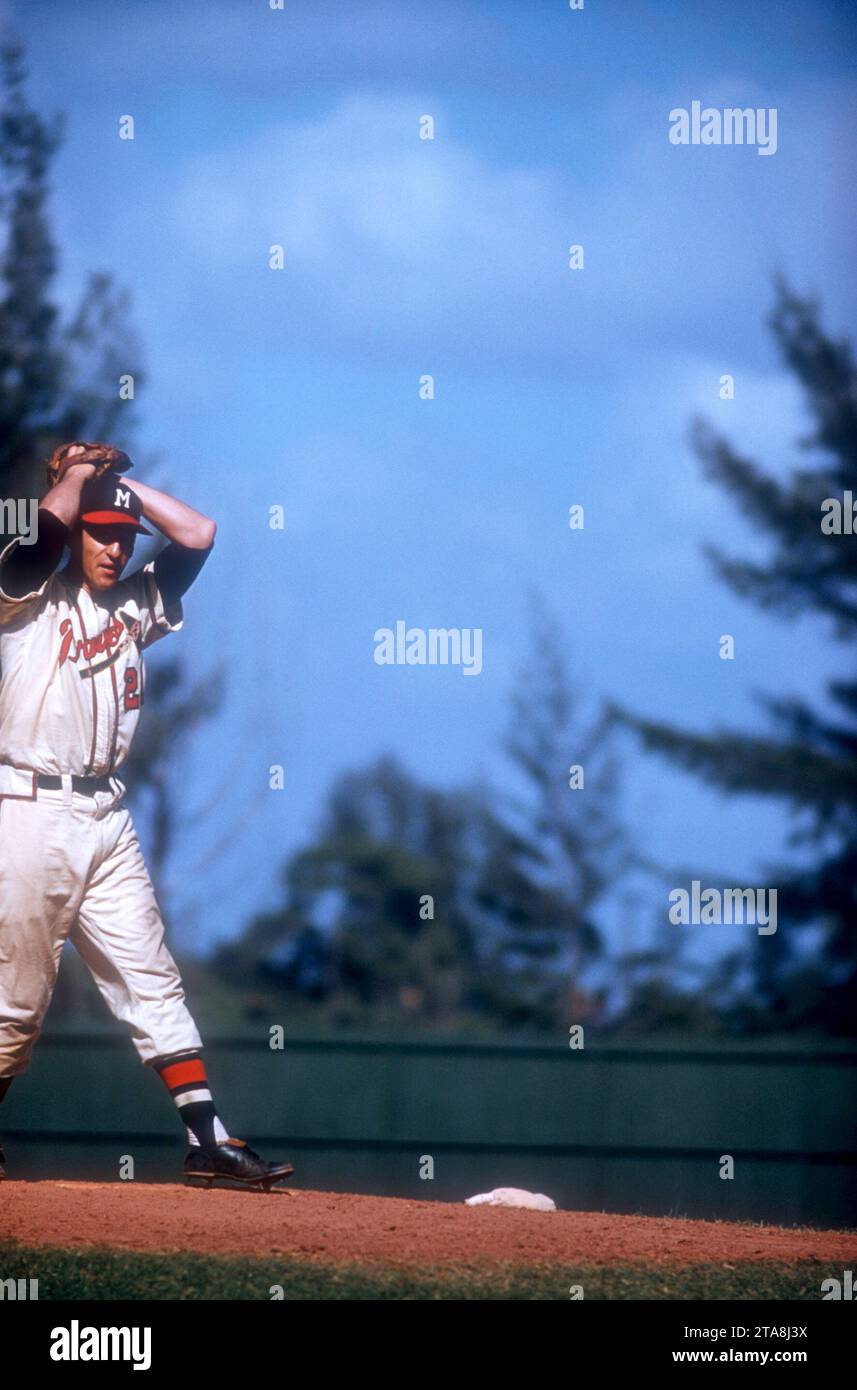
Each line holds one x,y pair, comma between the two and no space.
104,456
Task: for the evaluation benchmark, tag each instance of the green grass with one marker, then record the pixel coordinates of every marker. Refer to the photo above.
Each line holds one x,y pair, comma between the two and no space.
118,1274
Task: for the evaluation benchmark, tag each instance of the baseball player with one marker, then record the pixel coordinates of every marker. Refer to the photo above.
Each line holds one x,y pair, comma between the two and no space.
72,686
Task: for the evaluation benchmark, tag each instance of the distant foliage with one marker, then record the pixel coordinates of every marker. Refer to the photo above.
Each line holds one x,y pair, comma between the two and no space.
454,908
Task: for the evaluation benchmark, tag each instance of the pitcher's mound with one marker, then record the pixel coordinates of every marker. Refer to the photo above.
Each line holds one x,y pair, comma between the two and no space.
389,1230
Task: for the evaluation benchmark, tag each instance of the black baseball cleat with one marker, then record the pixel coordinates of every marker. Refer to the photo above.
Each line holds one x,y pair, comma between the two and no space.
234,1164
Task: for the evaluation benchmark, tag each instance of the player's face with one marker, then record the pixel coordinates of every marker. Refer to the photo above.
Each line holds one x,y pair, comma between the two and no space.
104,553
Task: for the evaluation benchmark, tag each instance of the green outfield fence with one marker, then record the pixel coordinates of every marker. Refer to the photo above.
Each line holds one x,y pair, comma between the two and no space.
625,1128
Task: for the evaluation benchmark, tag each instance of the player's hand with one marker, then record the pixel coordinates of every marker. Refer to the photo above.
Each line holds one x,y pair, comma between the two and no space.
87,463
95,458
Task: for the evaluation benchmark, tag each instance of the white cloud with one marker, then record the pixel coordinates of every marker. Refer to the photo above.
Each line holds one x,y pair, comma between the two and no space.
383,223
395,244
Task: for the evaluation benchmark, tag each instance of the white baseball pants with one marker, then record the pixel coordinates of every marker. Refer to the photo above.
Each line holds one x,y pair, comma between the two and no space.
71,869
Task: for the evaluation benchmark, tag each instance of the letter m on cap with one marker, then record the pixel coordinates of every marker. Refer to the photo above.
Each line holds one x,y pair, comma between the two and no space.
123,499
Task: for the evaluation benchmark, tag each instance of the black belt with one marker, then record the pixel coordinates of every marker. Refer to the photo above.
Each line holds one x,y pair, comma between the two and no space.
87,786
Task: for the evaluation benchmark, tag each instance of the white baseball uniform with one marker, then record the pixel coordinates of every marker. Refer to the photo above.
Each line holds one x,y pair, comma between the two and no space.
71,686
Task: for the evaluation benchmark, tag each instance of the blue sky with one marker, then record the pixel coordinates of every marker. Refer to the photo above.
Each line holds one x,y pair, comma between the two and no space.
449,257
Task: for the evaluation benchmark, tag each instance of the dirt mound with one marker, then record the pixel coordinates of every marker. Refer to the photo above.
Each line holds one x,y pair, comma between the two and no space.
347,1226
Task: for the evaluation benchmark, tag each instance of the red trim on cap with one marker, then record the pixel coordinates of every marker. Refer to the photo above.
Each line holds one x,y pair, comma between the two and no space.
110,518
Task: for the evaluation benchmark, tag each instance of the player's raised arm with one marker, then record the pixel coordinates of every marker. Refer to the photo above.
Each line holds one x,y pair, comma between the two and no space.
63,499
181,524
26,568
191,536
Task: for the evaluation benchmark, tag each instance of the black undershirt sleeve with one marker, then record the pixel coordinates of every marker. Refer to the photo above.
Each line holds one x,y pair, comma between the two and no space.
176,568
29,566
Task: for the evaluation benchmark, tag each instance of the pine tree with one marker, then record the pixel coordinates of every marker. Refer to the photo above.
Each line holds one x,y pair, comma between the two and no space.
808,757
557,845
57,381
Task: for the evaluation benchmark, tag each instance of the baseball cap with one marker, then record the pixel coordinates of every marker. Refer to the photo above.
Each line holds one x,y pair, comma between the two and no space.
108,501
